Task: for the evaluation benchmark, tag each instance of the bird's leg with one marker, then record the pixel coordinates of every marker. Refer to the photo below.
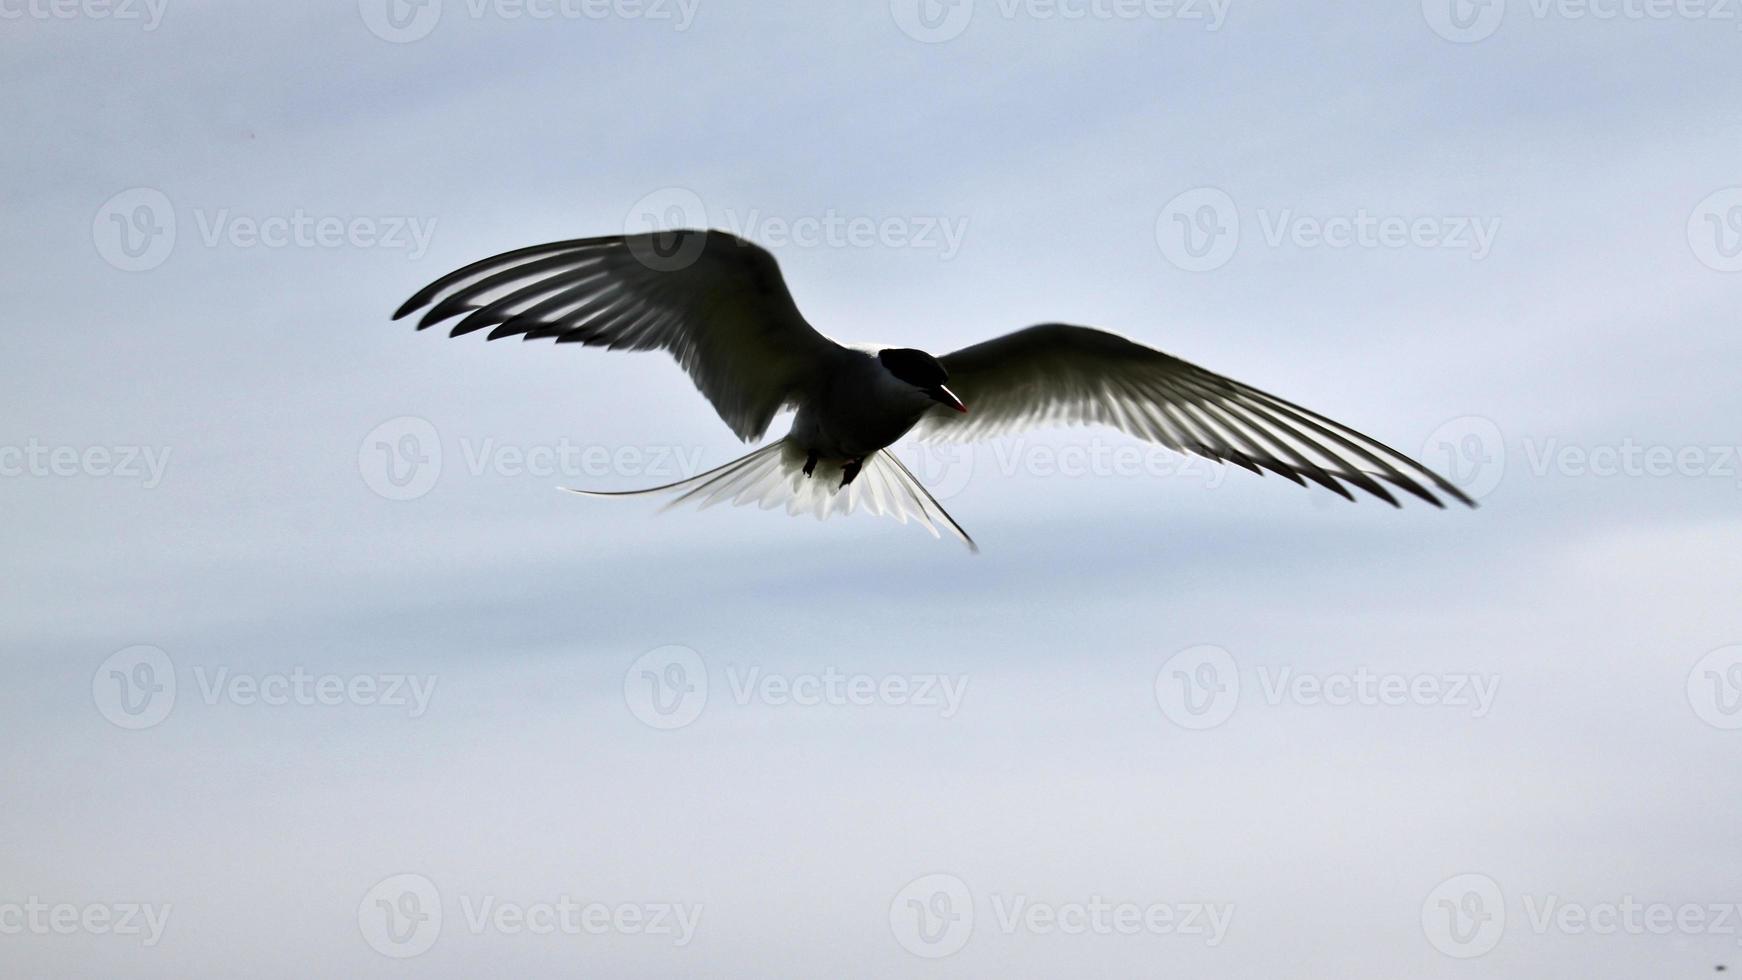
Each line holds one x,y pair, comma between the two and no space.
810,463
849,471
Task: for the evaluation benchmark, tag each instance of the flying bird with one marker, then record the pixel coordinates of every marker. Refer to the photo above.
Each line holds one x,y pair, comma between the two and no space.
720,306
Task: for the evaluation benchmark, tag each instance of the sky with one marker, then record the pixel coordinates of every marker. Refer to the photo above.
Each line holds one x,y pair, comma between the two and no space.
310,668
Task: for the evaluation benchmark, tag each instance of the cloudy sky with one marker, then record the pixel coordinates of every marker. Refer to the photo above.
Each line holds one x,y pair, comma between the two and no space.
310,668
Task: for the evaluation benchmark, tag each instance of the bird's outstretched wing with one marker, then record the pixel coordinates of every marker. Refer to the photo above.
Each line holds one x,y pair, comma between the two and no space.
715,301
1055,373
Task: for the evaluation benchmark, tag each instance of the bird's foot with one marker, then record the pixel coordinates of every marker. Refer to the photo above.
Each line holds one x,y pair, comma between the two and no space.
849,471
810,464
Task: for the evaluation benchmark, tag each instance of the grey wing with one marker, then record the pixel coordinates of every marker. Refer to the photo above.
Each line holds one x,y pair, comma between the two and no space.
716,302
1055,373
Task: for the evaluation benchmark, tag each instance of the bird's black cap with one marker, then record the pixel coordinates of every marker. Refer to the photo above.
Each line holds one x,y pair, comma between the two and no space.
915,367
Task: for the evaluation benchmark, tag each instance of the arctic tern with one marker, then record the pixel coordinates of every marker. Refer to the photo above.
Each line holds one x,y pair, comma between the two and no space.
719,305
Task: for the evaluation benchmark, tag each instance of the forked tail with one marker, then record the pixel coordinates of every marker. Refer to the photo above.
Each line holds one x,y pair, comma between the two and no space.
774,475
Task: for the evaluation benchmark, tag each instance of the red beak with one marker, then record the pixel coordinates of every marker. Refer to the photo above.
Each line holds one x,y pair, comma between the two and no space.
949,398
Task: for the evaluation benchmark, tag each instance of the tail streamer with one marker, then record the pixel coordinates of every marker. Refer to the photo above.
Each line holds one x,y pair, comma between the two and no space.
774,476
